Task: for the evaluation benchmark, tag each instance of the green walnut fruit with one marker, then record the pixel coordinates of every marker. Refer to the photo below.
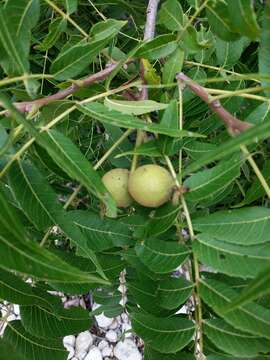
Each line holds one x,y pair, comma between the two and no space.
150,185
116,182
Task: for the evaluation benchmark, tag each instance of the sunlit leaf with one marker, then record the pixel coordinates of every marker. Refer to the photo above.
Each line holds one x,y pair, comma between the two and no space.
134,107
112,117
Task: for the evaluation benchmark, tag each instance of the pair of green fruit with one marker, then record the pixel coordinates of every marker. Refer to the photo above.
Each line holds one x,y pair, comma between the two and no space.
149,185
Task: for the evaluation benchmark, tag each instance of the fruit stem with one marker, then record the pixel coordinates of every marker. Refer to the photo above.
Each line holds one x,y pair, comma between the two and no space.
172,171
180,96
112,148
198,349
139,141
197,300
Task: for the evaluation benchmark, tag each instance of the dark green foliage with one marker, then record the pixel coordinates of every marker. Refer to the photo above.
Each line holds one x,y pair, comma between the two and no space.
209,248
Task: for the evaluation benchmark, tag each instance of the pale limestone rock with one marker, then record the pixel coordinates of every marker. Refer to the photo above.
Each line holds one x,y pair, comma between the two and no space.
93,354
111,336
127,350
83,342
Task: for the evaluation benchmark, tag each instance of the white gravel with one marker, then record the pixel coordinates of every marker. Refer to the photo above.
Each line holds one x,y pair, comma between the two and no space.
111,336
103,344
83,341
107,351
94,354
69,341
127,350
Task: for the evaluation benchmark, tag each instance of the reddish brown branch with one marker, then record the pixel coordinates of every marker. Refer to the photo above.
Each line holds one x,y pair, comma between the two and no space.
233,124
27,106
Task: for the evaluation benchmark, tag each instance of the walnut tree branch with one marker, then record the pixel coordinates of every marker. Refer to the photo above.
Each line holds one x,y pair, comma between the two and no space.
151,14
27,106
233,124
149,34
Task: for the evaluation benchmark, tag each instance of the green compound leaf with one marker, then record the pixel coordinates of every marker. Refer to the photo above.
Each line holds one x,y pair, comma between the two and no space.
246,226
166,335
161,256
232,259
31,347
233,341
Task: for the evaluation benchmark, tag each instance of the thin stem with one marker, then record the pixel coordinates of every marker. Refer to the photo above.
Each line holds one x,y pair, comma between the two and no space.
135,159
58,118
193,17
226,94
45,237
239,77
197,299
8,81
180,96
188,218
112,148
256,169
240,187
103,17
66,16
45,61
233,93
14,133
194,63
16,156
172,171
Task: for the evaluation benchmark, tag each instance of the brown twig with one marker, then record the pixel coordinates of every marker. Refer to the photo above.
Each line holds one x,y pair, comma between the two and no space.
27,106
233,124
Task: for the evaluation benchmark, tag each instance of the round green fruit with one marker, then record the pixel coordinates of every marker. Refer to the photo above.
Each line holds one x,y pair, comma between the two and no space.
116,182
150,185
